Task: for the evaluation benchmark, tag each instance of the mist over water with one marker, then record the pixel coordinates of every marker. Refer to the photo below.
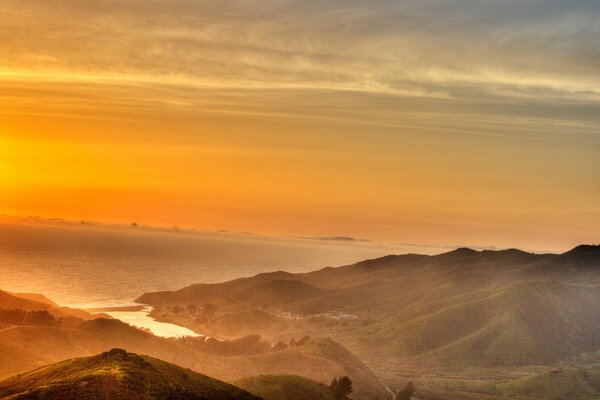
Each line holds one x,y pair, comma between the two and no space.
84,266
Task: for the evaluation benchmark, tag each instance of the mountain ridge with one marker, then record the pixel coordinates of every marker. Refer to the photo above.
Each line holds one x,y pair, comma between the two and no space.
369,305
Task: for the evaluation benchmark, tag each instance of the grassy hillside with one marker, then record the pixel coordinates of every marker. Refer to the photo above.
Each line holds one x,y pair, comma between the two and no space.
567,384
285,387
25,348
246,323
466,309
117,375
528,323
461,308
279,291
38,302
13,301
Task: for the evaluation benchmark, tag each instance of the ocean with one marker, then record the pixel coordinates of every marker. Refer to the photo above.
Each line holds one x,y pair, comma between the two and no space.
89,266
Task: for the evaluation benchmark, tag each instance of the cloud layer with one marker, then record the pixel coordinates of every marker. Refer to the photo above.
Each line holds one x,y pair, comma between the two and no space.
413,110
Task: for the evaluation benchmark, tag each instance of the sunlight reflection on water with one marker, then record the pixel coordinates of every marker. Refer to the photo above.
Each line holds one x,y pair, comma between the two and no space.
86,267
142,319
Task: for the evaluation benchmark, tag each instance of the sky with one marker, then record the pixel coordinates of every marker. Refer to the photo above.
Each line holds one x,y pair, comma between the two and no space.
468,122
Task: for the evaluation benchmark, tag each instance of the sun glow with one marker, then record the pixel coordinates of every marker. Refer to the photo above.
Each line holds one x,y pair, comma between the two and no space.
194,124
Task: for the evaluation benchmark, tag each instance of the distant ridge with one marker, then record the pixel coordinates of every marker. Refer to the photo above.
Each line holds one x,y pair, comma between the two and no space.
584,252
465,306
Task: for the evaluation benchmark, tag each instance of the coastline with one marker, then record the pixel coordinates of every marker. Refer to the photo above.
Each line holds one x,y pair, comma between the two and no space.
140,316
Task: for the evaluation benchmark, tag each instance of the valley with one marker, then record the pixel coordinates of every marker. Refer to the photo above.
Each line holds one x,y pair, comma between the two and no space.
460,325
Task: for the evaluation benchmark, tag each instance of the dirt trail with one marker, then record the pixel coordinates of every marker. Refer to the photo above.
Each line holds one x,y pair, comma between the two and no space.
9,328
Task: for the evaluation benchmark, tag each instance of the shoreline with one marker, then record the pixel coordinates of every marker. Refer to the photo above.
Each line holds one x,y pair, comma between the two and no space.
140,316
101,309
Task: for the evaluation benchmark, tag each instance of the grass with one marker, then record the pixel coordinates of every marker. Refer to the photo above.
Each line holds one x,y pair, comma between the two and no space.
285,387
118,375
567,384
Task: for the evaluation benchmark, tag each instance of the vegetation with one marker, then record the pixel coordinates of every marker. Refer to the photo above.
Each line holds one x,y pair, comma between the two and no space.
118,375
248,345
558,384
407,393
461,325
341,387
22,317
317,359
286,387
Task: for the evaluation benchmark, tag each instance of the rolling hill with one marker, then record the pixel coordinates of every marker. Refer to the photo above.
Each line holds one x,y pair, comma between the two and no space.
117,375
26,347
464,307
526,323
285,387
560,384
38,302
465,310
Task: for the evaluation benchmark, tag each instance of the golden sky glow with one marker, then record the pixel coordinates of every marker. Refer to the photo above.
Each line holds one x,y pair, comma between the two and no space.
461,122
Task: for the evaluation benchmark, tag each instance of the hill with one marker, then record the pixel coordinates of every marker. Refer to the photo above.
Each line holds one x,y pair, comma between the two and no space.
320,360
117,375
525,323
26,347
13,301
460,308
38,302
285,387
560,384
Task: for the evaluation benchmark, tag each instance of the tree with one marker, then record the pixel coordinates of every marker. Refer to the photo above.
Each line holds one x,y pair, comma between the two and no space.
303,341
191,309
407,393
209,311
280,346
42,317
333,385
176,310
341,387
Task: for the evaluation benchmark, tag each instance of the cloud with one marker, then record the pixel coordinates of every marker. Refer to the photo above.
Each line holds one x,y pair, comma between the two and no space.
334,238
522,69
382,46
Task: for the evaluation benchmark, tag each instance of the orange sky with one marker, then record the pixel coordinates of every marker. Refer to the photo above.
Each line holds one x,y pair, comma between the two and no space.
271,120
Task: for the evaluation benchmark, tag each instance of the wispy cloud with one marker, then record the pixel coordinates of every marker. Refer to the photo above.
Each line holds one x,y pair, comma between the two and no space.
473,59
401,116
382,46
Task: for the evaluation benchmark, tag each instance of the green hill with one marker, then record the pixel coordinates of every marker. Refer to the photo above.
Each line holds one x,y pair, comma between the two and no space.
28,347
279,291
567,384
527,323
117,375
464,307
285,387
